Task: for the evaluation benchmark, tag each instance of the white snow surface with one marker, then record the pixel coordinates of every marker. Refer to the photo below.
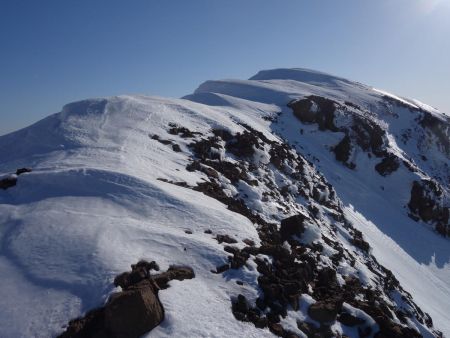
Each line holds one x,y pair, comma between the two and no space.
93,205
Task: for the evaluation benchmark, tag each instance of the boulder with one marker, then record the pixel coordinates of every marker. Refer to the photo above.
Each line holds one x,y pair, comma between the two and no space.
292,226
133,312
8,182
21,171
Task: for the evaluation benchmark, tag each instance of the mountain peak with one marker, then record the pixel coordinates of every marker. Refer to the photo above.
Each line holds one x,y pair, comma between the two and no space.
300,75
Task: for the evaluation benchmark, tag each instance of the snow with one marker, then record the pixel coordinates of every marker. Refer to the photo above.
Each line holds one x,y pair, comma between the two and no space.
93,205
428,280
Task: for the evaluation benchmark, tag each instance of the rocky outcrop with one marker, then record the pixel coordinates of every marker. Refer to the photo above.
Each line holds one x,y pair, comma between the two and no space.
427,203
343,150
315,109
132,312
439,128
389,164
295,244
11,180
292,226
8,182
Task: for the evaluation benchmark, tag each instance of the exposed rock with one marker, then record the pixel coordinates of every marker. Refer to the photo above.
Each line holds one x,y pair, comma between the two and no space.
181,131
176,148
439,129
132,312
323,311
369,135
222,268
343,151
315,109
359,241
21,171
350,320
8,182
223,134
388,165
292,226
248,242
225,239
293,268
243,144
174,272
426,203
162,141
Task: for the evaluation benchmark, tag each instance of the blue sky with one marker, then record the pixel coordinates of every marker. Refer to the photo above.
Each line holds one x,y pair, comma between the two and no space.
57,51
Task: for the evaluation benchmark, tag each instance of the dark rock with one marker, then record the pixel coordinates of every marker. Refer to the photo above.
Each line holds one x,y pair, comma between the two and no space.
350,320
225,239
343,150
231,249
239,259
223,134
426,203
243,145
139,272
157,138
327,278
210,172
323,114
439,129
195,165
276,329
323,311
359,241
389,329
241,304
91,325
443,229
132,313
292,226
222,268
369,135
388,165
248,242
176,148
181,131
8,182
203,148
174,272
23,171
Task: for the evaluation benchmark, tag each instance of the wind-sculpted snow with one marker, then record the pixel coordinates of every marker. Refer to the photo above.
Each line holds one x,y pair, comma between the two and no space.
206,181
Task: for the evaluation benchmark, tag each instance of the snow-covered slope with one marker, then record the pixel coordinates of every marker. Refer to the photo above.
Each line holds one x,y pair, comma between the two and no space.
129,177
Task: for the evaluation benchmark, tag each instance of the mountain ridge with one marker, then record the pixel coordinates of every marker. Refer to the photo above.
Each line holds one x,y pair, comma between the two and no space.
128,151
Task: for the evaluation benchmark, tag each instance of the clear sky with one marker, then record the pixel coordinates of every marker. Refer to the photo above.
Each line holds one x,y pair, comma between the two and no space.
56,51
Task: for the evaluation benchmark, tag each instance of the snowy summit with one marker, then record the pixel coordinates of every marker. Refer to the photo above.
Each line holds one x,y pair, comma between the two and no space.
292,204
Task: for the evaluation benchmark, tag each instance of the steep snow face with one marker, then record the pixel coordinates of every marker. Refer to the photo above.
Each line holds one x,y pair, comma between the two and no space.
367,129
129,177
412,148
